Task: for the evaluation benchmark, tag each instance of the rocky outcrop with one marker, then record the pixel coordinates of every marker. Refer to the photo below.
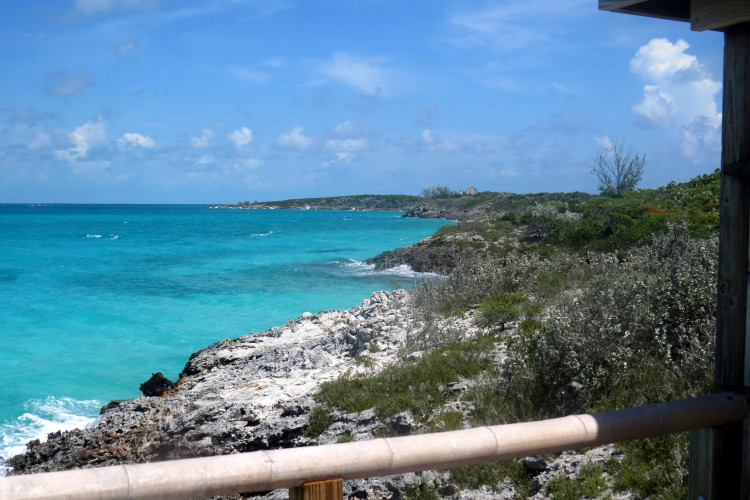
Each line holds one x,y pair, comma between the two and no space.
246,394
256,392
423,258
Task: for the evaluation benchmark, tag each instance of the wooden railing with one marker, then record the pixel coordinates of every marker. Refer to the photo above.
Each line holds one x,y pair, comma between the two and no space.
291,468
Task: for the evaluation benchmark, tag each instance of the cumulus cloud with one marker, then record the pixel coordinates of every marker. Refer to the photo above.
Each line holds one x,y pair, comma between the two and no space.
246,164
347,145
241,138
136,140
204,140
296,138
434,142
58,83
679,93
90,135
366,75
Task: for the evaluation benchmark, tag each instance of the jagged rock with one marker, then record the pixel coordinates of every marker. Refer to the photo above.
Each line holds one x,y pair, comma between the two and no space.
255,393
157,385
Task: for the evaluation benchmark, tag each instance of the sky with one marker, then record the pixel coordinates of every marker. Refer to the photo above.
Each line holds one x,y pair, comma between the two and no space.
221,101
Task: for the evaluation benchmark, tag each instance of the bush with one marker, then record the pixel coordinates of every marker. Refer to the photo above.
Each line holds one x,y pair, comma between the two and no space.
639,331
417,386
501,309
318,421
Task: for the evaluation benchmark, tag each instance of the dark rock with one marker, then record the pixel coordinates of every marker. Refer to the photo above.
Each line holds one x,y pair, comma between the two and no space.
157,385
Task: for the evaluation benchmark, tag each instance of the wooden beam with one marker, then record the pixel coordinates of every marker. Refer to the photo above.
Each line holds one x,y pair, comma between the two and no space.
718,14
723,451
615,5
331,489
288,468
676,10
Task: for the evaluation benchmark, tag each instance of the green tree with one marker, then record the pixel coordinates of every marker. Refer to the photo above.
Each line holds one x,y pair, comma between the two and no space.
438,191
617,170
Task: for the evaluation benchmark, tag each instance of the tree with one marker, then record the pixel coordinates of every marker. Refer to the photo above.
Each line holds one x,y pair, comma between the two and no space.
438,191
617,170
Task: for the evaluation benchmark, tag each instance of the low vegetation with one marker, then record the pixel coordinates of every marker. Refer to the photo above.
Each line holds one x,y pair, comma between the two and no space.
596,303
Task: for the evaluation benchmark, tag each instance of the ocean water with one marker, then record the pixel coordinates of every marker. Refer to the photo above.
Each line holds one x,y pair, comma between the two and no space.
94,298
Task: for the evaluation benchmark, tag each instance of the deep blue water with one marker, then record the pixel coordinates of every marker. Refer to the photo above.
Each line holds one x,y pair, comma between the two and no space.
94,298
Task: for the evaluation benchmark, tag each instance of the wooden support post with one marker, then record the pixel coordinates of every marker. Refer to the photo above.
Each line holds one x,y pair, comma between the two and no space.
331,489
717,456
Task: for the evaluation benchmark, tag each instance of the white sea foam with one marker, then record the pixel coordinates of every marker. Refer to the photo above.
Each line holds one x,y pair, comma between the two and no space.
269,233
93,236
359,268
43,416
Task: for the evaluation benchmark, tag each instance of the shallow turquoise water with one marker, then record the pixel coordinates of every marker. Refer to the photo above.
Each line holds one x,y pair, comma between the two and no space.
94,298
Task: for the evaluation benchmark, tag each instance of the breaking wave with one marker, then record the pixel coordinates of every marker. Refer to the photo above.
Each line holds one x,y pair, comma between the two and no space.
41,417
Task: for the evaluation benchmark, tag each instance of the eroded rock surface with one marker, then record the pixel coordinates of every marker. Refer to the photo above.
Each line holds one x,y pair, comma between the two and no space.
255,393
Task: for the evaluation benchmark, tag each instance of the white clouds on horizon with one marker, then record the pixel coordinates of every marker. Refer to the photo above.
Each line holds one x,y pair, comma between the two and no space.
136,140
204,140
91,134
296,138
366,75
680,93
241,137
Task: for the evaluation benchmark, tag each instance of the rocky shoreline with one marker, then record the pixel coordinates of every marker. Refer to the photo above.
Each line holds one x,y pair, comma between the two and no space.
256,393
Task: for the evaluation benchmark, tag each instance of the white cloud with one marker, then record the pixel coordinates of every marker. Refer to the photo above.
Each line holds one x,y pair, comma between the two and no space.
204,140
656,107
246,164
679,93
205,160
241,138
90,135
433,142
347,145
346,128
42,141
365,75
662,60
296,138
516,24
138,140
604,142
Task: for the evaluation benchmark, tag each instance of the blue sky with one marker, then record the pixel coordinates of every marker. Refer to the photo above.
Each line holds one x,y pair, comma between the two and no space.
182,101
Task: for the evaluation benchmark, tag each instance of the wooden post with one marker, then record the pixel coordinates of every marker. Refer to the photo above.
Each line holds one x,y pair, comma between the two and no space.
332,489
719,463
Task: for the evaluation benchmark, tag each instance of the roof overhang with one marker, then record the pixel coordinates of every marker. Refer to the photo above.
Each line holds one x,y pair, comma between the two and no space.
701,14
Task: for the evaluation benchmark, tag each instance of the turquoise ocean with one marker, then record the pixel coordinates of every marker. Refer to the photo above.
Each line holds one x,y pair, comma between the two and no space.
94,298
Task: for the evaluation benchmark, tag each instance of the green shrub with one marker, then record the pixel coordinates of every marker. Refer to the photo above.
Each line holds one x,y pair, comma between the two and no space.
500,309
417,386
588,484
638,331
447,421
345,438
492,474
654,468
318,421
422,491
